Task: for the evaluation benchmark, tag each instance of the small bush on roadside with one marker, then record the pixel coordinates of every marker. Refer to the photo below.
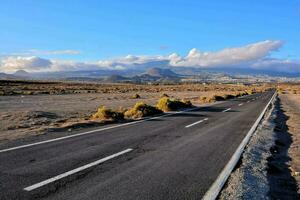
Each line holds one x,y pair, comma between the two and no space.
136,96
249,92
218,98
167,104
104,113
141,109
164,95
228,96
241,94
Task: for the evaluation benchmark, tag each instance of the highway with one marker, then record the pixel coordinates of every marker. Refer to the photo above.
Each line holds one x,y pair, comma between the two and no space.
174,156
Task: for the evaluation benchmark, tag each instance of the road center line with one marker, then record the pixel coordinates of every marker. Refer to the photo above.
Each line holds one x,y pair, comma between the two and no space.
50,180
240,104
226,110
197,122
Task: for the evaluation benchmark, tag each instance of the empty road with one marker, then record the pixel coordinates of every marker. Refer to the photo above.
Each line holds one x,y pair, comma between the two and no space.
176,156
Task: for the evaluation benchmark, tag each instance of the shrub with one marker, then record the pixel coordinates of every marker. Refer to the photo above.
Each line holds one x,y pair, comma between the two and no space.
249,92
135,96
141,109
242,93
167,104
228,96
107,114
164,95
218,98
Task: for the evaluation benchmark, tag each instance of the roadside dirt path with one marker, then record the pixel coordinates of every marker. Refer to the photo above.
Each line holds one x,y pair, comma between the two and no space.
291,108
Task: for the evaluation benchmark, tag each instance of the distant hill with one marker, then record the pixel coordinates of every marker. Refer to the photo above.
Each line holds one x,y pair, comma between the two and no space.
22,73
116,78
162,73
4,76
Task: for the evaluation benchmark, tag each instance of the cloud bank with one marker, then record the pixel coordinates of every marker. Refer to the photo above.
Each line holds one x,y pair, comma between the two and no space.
229,56
252,56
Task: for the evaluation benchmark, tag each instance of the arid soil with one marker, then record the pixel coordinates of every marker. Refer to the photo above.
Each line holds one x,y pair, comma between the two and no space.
291,108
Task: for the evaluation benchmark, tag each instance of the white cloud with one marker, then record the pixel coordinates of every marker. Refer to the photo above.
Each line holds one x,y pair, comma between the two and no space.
252,56
12,64
229,56
277,65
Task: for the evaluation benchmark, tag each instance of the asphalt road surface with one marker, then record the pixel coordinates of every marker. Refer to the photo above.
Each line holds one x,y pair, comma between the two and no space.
177,156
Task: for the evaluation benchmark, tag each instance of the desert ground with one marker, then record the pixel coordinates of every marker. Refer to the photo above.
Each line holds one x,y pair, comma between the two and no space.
34,108
290,100
291,108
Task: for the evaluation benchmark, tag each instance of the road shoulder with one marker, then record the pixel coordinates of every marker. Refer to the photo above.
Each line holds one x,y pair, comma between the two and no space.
264,169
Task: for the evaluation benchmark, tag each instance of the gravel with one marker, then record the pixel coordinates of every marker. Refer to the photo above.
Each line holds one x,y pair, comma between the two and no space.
249,180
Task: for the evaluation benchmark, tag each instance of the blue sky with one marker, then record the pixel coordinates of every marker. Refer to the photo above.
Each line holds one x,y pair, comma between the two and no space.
98,30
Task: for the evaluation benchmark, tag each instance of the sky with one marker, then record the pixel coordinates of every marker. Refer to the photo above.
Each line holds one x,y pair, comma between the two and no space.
54,35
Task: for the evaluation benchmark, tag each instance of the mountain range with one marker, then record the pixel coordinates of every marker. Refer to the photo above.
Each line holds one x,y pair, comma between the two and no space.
139,75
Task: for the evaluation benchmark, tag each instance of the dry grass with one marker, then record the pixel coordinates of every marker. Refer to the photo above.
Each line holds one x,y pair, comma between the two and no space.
164,95
104,114
171,104
140,110
285,88
223,97
136,96
55,88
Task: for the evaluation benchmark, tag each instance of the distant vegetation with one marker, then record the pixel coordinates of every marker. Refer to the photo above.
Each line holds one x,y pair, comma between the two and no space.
164,104
57,88
288,88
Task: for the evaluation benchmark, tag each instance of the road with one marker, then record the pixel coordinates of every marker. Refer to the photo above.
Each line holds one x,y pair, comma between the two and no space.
176,156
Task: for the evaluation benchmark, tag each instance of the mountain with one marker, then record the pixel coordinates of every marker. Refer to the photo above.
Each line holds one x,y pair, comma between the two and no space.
4,76
162,73
22,73
116,79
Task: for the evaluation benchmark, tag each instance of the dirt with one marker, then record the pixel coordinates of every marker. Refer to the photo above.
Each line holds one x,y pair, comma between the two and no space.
291,108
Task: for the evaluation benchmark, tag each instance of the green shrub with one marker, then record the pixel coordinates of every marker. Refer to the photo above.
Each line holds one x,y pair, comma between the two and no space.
141,109
167,104
107,114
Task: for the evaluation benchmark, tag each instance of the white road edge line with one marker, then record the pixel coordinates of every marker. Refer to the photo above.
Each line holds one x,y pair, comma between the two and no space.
240,104
217,186
226,110
50,180
200,121
93,131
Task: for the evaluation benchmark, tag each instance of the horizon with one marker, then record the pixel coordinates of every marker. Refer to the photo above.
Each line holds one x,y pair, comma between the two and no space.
48,36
